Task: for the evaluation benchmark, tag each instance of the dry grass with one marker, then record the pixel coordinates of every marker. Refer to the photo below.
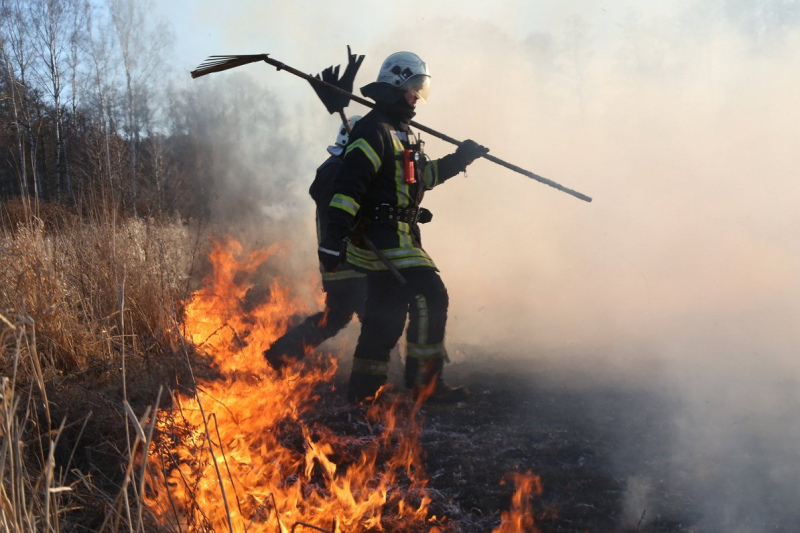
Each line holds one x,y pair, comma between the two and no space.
88,310
94,288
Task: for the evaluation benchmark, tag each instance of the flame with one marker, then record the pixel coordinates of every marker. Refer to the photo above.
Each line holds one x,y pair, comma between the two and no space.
520,517
246,453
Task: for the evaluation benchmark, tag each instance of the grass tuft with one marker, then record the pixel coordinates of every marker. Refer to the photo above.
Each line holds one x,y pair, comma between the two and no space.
88,308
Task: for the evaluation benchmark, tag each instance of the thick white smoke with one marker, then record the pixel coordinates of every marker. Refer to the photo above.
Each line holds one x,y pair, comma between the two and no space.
680,120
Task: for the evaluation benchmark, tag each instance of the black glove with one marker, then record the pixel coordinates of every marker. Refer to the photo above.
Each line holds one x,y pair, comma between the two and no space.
425,216
332,253
469,151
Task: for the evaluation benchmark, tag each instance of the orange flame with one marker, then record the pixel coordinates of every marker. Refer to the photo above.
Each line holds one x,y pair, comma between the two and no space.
520,517
241,453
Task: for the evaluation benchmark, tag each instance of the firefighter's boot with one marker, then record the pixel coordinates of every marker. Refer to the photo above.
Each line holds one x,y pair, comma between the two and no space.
424,378
275,359
363,386
282,353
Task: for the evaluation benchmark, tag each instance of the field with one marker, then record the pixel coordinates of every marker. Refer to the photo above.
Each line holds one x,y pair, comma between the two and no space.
133,336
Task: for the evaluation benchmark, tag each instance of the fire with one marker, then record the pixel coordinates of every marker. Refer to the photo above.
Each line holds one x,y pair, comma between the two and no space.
246,453
520,518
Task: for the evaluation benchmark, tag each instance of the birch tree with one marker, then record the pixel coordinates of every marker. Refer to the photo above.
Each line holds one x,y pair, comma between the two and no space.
141,43
54,28
102,74
17,57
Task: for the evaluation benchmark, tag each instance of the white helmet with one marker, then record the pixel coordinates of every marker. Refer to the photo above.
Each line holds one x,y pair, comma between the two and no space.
404,71
408,72
342,135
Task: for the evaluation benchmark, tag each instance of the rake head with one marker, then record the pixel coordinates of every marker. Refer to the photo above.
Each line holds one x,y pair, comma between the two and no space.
220,63
336,102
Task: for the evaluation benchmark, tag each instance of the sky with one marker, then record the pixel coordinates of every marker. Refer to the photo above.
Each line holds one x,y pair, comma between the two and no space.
679,119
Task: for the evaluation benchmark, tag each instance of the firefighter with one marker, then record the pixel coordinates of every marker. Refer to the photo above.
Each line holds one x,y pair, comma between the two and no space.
376,205
345,289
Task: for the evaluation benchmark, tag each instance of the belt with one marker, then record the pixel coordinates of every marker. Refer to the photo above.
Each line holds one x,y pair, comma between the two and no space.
391,213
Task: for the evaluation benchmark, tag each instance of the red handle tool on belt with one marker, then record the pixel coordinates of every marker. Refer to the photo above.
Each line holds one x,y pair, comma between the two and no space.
408,166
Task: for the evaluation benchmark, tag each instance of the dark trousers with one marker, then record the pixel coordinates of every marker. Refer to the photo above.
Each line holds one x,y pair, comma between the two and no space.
343,298
424,301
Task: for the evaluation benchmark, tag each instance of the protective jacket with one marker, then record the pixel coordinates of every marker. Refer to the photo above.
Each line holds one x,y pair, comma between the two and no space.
374,194
321,191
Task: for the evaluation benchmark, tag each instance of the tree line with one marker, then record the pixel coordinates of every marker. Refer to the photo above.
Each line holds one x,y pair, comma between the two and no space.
81,120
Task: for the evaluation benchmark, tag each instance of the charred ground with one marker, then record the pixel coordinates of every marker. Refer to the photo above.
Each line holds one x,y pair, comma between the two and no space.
605,444
584,442
603,447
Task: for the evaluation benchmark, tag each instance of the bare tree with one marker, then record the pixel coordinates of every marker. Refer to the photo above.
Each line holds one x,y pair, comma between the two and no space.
141,44
53,24
76,48
11,97
102,76
78,100
14,29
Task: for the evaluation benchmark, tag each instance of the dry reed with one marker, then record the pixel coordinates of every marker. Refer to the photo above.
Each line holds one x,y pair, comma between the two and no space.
87,339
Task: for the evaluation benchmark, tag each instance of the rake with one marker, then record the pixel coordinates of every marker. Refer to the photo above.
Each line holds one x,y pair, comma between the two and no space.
336,99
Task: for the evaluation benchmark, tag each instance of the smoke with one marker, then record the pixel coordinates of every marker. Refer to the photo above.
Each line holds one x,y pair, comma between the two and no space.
681,272
686,236
679,120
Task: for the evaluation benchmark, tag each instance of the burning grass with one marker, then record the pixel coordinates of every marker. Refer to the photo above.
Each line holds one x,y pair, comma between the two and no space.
99,316
260,449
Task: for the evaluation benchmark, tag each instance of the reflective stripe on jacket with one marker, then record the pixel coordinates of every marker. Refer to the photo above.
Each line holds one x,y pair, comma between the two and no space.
373,175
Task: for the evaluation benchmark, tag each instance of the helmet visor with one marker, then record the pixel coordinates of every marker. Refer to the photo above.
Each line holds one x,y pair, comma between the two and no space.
420,86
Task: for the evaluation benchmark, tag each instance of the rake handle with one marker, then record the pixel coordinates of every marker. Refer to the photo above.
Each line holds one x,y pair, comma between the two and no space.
283,66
